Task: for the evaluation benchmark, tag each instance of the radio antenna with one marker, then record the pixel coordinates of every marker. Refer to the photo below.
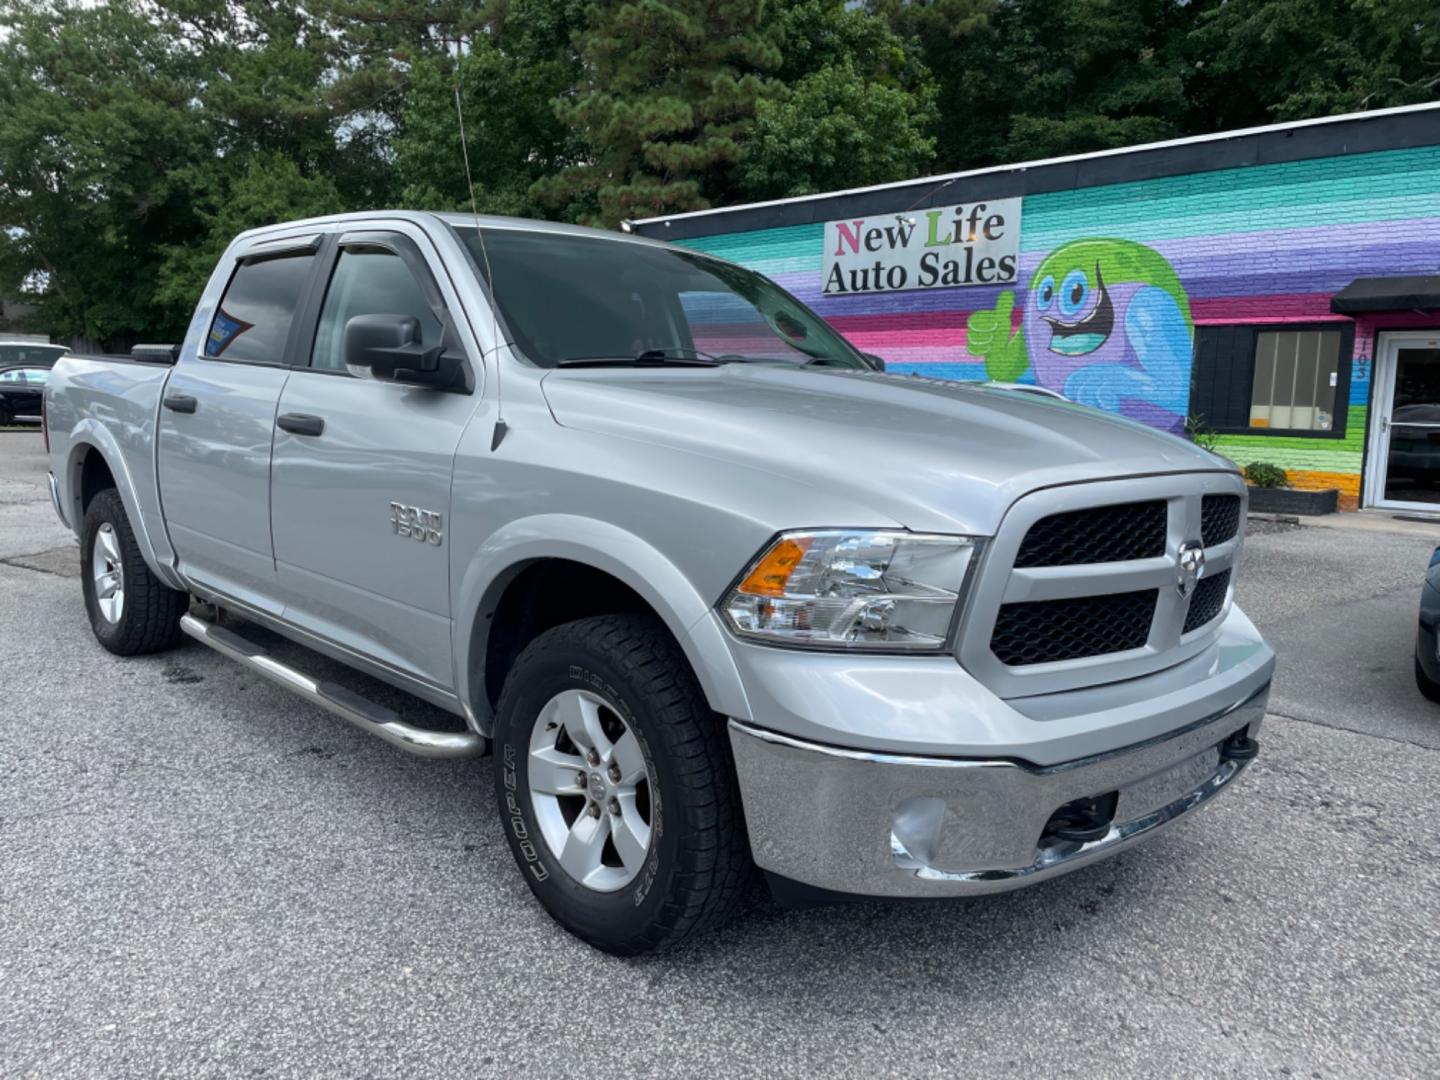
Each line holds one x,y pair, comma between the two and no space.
500,426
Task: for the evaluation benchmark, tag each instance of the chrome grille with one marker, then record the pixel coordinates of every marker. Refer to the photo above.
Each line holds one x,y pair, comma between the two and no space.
1080,584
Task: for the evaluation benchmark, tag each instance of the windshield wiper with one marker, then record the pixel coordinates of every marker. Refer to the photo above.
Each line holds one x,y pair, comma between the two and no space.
647,358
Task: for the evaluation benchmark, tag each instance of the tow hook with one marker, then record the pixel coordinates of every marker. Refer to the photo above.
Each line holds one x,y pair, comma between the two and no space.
1082,820
1239,747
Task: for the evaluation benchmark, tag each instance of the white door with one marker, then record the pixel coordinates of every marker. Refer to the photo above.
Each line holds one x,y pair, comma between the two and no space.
1403,470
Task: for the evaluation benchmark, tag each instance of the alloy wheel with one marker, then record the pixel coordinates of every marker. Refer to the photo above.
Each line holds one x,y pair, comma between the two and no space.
590,788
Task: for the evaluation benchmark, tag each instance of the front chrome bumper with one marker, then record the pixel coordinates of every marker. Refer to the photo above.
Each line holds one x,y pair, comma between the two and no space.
874,824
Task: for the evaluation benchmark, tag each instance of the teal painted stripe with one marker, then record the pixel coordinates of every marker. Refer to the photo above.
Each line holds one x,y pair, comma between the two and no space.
1149,220
1391,185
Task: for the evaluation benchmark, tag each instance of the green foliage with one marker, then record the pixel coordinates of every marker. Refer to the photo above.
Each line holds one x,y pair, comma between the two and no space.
823,135
1259,61
95,102
1042,78
1262,474
667,94
1201,433
138,136
271,189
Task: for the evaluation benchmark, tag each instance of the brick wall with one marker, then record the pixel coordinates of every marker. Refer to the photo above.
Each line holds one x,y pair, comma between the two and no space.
1264,244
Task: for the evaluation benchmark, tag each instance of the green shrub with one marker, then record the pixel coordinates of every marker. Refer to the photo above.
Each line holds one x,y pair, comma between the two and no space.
1262,474
1200,433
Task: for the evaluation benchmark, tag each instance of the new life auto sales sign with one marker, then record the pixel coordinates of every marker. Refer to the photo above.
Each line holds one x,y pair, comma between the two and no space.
940,248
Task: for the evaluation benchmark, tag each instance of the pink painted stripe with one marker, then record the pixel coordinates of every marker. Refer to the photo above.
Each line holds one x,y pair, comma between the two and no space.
895,321
906,339
1273,308
916,354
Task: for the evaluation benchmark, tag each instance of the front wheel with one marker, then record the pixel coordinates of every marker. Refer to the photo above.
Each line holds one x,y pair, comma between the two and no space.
616,788
131,610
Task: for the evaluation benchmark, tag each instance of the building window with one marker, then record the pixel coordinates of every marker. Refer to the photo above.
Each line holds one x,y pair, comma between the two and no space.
1265,380
1296,375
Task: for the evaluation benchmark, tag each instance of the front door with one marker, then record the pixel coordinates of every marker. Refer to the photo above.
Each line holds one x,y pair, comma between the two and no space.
1405,434
360,484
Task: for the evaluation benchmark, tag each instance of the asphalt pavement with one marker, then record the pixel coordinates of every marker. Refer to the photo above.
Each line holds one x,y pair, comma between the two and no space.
202,876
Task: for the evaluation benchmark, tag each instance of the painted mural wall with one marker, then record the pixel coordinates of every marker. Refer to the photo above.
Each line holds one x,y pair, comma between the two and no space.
1113,281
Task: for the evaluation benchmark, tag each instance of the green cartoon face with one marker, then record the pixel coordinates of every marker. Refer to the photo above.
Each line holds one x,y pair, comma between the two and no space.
1078,300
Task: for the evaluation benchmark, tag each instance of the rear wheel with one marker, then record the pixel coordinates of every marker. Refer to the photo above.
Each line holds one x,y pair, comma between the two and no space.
131,610
616,788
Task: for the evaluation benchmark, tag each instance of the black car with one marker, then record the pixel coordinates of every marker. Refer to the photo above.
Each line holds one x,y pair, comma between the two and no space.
1427,660
22,388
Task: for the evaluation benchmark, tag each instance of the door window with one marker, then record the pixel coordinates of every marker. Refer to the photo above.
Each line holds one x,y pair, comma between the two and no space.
252,322
368,281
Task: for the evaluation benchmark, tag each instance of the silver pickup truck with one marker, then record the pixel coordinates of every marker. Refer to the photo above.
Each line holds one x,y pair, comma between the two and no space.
719,593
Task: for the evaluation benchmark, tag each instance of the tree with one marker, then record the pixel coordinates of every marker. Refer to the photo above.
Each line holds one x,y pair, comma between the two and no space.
509,79
858,107
272,188
1260,61
98,107
667,95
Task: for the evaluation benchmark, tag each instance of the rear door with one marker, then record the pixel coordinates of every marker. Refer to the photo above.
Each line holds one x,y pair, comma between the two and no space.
360,480
217,422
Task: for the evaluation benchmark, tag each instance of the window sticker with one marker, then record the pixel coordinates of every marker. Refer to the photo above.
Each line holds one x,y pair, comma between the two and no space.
223,332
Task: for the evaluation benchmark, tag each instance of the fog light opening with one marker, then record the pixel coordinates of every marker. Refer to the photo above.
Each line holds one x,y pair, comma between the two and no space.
1082,820
1240,747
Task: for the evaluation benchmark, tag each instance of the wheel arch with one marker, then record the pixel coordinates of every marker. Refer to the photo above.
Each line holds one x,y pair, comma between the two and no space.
626,569
93,463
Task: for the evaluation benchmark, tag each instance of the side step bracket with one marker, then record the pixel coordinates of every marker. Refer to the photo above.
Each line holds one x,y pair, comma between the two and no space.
334,698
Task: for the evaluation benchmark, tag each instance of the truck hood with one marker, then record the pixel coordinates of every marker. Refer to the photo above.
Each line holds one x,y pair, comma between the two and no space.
928,454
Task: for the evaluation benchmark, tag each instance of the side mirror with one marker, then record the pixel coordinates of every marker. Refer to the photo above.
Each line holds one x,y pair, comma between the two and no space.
390,346
876,364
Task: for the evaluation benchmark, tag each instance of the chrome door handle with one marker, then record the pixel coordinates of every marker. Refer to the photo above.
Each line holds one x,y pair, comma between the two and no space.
300,423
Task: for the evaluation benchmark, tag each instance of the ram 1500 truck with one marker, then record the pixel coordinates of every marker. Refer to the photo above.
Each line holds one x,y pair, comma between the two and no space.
719,593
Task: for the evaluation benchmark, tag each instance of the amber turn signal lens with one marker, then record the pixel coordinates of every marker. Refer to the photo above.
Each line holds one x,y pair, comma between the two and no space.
774,570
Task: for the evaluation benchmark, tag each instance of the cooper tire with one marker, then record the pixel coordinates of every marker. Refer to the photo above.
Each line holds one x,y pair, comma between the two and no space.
697,869
147,619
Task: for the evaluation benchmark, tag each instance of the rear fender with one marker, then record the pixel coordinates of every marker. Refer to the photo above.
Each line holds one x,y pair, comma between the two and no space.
606,547
89,436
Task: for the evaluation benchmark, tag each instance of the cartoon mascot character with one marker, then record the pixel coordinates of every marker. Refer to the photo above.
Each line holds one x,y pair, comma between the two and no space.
1106,323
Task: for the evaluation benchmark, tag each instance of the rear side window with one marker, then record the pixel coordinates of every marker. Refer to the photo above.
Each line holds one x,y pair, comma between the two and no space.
369,281
253,320
32,376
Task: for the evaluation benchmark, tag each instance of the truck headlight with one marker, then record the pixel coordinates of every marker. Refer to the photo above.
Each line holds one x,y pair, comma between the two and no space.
852,588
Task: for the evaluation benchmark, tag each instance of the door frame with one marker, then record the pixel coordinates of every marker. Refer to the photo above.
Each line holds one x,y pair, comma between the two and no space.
1388,343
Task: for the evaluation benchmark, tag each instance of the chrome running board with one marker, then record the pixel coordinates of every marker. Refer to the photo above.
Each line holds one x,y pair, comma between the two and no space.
334,698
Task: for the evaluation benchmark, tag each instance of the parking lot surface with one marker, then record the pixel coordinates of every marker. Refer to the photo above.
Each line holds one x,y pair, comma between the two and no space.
202,876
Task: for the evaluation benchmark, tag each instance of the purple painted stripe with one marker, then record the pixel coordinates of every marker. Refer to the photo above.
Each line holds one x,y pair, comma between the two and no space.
1213,281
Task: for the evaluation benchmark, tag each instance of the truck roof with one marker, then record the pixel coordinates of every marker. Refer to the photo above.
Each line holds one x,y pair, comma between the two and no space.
456,220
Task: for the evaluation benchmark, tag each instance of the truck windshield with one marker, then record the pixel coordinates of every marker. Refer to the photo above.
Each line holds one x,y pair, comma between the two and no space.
566,298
